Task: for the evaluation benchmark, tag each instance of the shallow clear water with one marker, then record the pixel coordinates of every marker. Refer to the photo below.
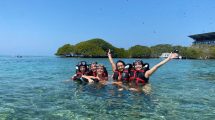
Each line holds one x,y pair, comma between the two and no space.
35,88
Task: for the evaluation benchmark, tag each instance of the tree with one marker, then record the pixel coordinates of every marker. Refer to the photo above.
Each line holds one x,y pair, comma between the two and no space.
89,50
157,50
139,51
212,52
120,53
65,49
93,47
99,47
192,53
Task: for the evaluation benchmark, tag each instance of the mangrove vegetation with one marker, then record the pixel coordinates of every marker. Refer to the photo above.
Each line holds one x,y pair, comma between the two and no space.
99,47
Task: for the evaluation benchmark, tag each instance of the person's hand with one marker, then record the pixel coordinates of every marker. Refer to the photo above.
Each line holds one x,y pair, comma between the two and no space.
97,78
90,81
117,83
173,55
109,52
73,77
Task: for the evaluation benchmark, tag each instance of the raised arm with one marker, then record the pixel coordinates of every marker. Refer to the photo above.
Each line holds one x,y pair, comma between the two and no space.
111,61
154,68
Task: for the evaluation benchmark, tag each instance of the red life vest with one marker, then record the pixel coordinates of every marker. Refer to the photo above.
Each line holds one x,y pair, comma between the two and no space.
91,73
123,75
138,76
78,75
116,75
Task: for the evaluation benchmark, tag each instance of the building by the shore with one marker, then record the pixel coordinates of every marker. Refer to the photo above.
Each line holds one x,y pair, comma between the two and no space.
203,39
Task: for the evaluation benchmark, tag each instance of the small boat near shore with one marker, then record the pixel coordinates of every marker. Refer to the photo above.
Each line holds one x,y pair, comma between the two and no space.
166,55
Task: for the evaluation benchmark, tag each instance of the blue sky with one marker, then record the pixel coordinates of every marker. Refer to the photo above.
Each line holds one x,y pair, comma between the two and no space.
40,27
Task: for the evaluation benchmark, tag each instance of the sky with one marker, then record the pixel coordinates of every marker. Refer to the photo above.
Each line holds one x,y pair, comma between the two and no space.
40,27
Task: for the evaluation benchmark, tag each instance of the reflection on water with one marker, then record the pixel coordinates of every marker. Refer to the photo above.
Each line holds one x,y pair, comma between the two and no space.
34,88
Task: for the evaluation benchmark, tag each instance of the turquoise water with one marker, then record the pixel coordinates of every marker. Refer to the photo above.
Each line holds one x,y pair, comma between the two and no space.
35,88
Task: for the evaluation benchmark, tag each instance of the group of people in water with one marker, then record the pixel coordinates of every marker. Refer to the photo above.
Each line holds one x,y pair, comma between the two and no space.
125,76
90,73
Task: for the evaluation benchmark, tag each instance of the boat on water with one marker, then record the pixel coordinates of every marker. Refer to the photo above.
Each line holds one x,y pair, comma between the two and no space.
166,55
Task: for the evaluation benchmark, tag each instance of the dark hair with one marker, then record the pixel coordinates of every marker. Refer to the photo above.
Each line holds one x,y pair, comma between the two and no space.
82,63
121,62
138,60
94,62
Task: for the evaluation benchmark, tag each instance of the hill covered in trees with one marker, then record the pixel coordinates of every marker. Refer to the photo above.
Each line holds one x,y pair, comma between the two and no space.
99,47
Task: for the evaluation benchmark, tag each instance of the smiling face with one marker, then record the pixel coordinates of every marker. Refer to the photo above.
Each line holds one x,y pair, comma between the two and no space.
100,69
120,66
82,69
138,65
93,67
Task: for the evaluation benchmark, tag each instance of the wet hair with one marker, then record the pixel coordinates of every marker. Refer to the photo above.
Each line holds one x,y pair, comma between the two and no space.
121,62
94,63
82,63
138,61
144,65
100,65
105,74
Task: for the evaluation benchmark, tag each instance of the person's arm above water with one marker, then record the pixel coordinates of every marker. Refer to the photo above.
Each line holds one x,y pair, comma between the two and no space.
101,78
154,68
111,61
89,78
74,77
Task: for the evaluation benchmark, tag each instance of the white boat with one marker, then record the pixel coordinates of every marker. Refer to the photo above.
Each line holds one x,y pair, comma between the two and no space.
166,55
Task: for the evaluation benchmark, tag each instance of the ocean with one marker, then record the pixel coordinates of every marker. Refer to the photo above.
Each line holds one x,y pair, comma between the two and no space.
39,88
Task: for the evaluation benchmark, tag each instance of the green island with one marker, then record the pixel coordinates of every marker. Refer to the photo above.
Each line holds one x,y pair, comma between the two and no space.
97,48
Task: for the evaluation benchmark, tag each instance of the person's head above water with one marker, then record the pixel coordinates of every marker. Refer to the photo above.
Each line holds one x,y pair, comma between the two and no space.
138,64
93,66
120,65
100,69
82,69
82,66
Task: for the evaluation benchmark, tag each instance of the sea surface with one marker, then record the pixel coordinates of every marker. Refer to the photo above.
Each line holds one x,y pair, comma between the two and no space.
38,88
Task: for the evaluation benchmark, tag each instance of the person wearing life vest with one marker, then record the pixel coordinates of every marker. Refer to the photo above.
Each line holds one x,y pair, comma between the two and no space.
117,68
102,75
137,74
81,69
143,75
92,69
